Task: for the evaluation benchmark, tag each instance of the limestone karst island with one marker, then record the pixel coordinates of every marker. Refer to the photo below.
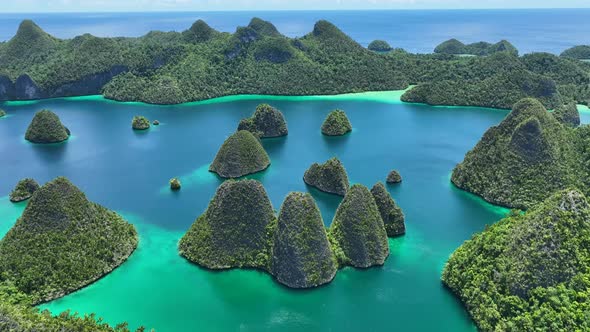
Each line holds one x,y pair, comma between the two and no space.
337,165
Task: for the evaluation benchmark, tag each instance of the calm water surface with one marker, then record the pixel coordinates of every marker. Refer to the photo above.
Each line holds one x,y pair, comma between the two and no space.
128,171
548,30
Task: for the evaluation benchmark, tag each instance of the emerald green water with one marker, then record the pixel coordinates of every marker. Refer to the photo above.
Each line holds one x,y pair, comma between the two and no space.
129,171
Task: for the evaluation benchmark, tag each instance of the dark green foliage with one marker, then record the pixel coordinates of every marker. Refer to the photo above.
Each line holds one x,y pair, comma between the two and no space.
275,50
24,190
63,242
357,232
336,124
523,160
455,47
451,46
394,177
2,113
236,230
329,177
379,46
140,123
263,28
46,127
267,121
301,254
30,44
392,215
567,114
528,272
581,52
175,184
199,32
241,154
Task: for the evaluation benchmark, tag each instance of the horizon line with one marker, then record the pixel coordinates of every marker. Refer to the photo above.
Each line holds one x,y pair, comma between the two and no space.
286,10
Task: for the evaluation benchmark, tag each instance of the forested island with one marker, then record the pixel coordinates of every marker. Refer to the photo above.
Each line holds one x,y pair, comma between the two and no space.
201,63
239,229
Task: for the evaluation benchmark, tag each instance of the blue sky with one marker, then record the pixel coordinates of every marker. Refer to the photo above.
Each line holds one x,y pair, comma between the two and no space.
204,5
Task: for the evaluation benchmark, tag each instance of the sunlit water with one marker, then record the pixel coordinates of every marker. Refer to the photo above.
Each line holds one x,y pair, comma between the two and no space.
128,171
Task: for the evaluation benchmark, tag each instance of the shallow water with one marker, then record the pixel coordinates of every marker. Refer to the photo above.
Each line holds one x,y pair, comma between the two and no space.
128,171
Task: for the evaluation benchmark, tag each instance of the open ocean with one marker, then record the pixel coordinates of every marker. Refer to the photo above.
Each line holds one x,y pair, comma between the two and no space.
548,30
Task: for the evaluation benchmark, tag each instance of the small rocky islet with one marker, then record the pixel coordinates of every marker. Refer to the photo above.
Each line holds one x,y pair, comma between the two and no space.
336,124
330,177
46,127
266,122
24,189
391,213
2,113
240,230
241,154
393,177
140,122
98,240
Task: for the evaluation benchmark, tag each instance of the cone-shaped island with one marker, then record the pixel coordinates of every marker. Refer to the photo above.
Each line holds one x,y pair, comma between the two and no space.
524,159
394,177
392,215
329,177
241,154
46,127
140,123
358,233
528,272
301,254
234,231
24,190
336,124
267,121
69,242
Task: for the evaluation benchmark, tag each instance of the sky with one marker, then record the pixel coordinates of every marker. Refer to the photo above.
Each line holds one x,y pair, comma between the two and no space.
30,6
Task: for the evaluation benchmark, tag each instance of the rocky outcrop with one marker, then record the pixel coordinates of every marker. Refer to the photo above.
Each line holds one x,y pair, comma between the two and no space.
336,124
24,190
394,177
329,177
524,159
234,231
140,123
568,115
527,261
69,242
392,215
46,127
266,122
301,253
241,154
358,233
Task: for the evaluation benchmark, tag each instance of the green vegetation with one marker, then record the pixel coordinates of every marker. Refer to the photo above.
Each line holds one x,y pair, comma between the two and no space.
580,52
533,155
329,177
336,124
394,177
301,253
455,47
140,123
528,272
357,233
567,114
201,63
175,184
236,230
380,46
24,190
392,215
69,243
241,154
2,113
267,121
46,127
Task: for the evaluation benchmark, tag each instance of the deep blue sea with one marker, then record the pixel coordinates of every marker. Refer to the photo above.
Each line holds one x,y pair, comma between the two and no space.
548,30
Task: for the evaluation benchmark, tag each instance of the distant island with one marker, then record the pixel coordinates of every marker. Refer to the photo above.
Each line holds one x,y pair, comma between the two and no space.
258,59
